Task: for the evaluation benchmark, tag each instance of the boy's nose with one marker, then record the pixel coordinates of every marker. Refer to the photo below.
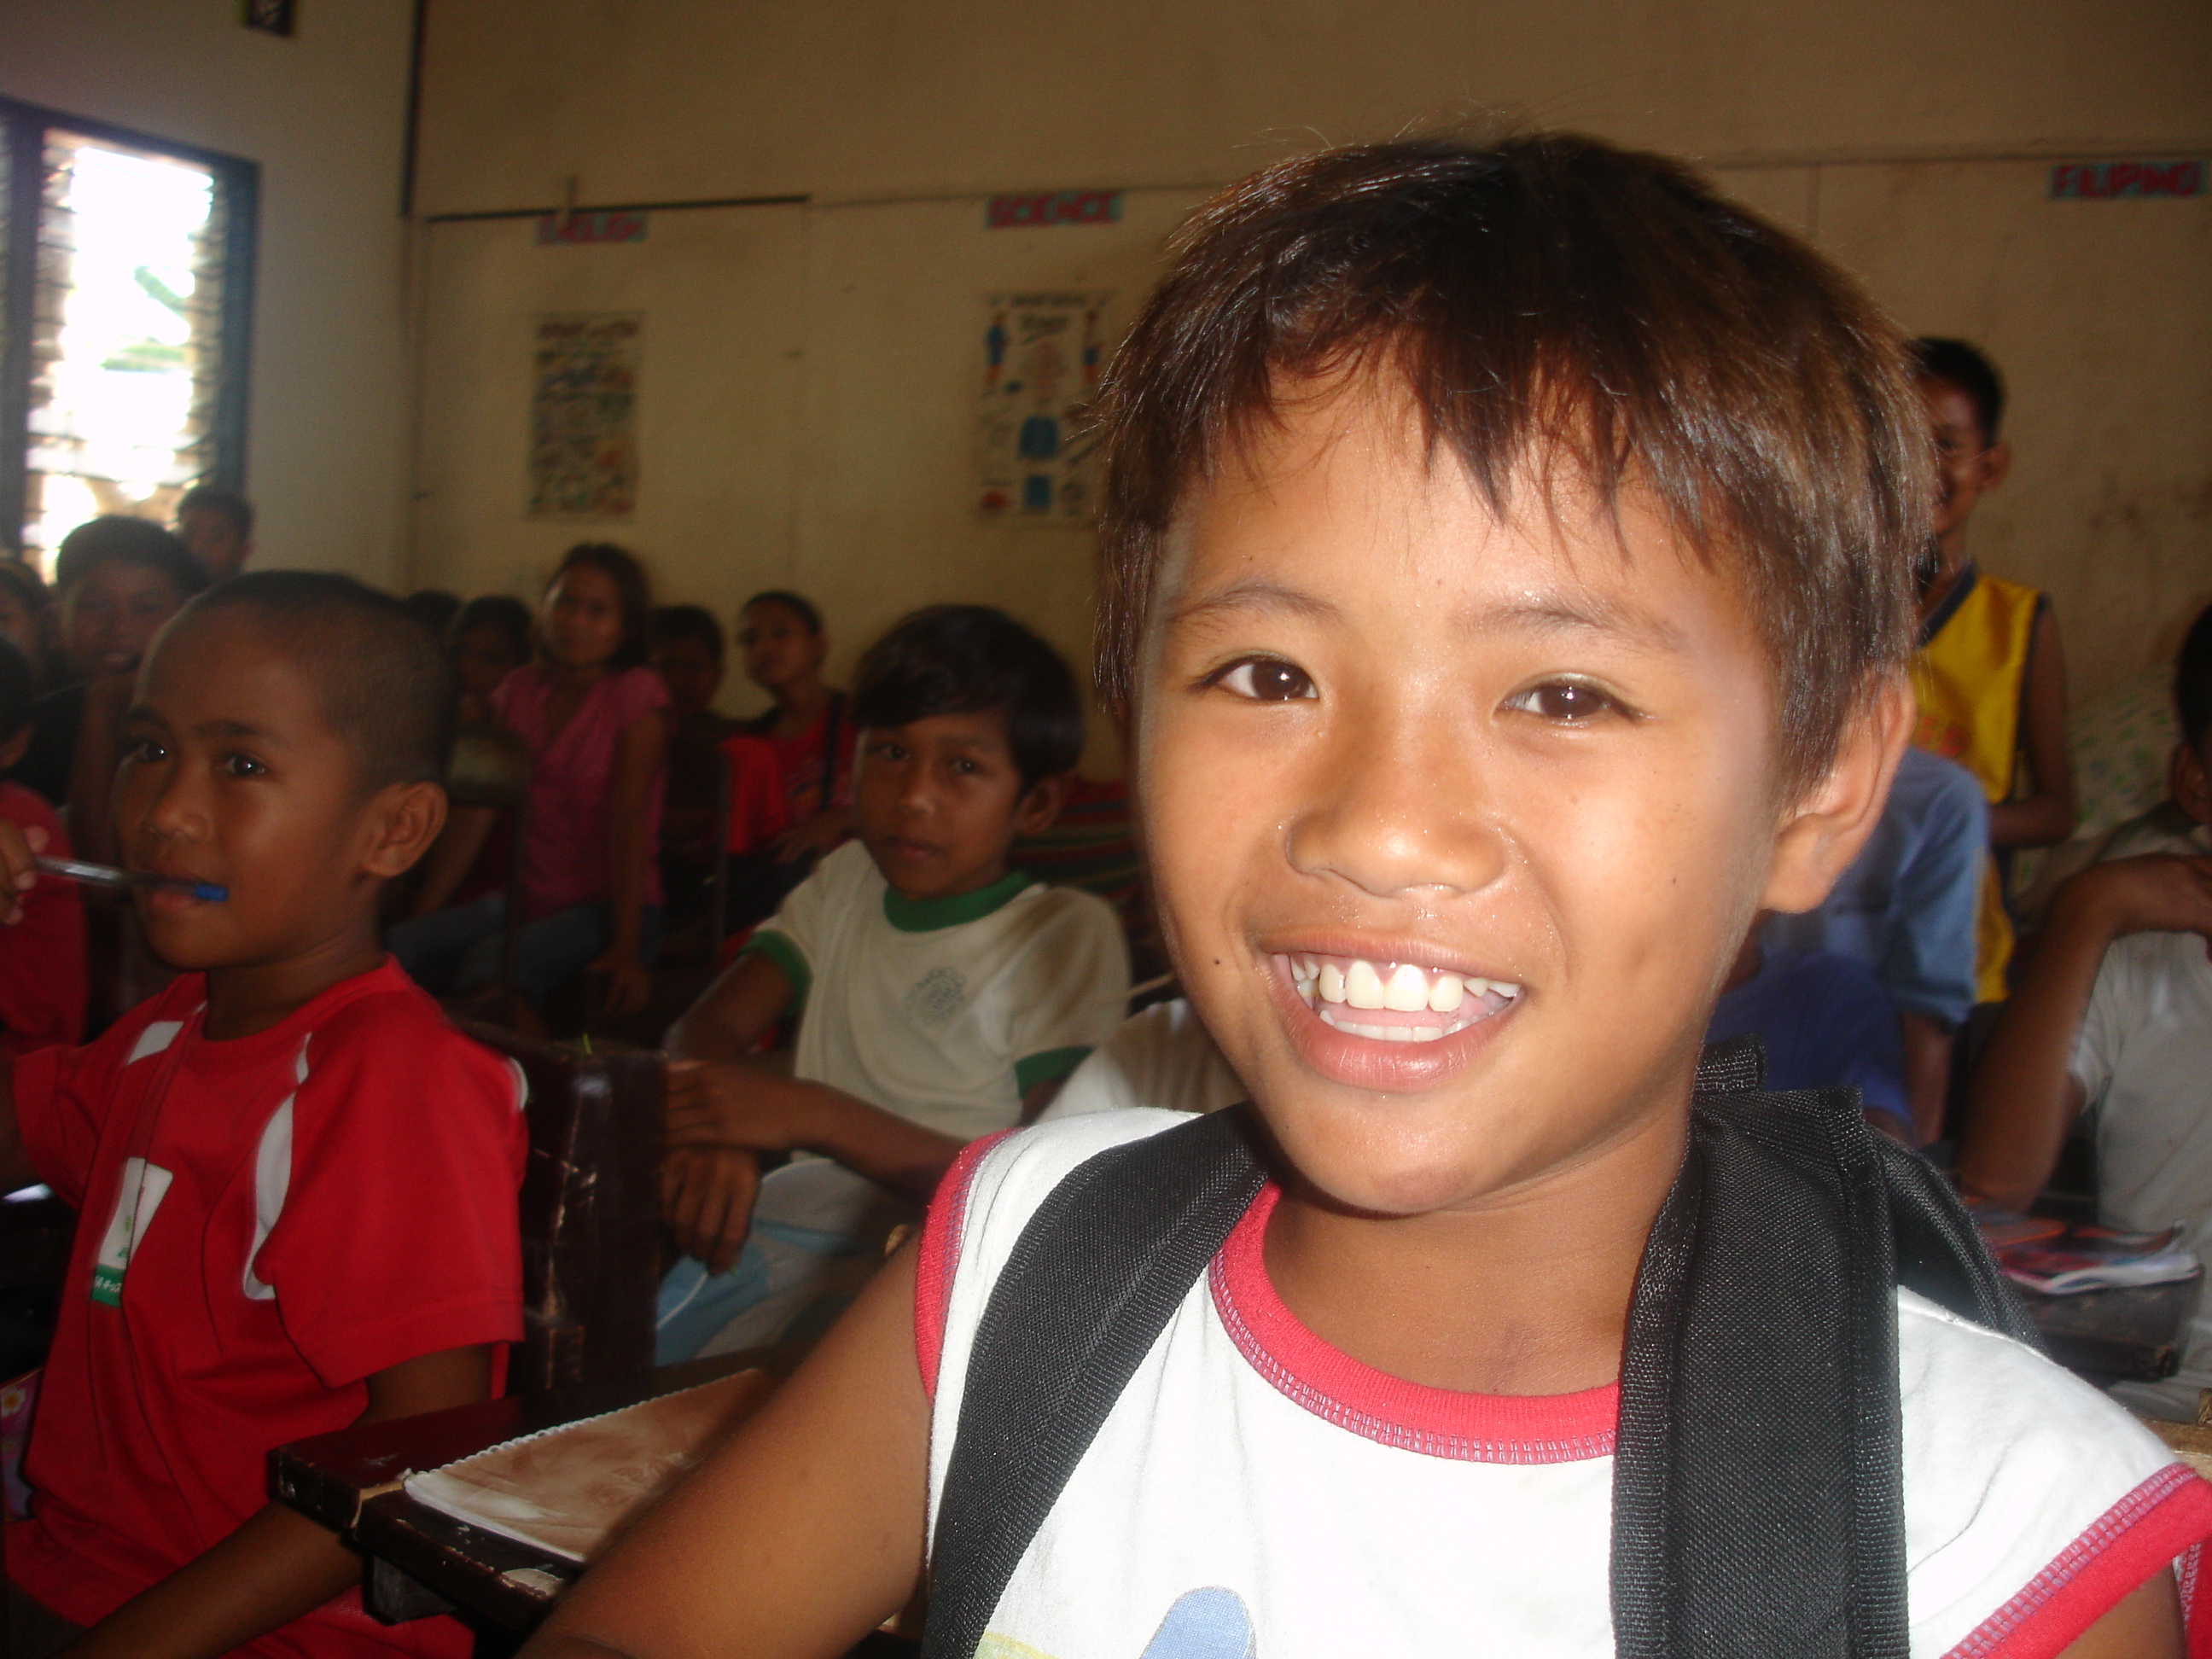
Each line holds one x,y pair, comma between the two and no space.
1396,804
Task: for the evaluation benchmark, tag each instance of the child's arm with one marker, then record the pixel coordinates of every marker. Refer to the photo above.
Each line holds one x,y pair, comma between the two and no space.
750,995
1927,1043
279,1565
2146,1625
800,1536
2044,816
721,1117
639,757
2024,1098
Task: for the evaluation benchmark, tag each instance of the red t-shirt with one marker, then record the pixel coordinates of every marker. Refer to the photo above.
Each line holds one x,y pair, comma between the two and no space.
263,1223
42,982
758,813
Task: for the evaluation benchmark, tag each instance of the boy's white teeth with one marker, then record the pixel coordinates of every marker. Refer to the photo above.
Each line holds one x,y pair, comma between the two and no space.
1407,989
1363,986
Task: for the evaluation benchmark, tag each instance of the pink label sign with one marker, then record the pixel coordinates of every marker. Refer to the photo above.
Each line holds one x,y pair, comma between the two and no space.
2105,181
614,225
1053,206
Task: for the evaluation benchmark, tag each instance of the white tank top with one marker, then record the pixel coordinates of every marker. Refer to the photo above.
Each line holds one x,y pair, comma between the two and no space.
1256,1492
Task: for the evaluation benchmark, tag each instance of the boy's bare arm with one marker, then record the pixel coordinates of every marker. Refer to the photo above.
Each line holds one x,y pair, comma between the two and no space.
279,1565
2044,816
745,1106
800,1536
726,1022
2146,1625
1927,1044
708,1183
2024,1098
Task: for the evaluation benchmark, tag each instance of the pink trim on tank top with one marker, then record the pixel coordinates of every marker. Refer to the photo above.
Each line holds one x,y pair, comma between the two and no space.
1473,1428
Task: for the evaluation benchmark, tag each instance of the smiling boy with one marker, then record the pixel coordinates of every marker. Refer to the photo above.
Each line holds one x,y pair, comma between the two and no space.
1503,570
941,995
295,1182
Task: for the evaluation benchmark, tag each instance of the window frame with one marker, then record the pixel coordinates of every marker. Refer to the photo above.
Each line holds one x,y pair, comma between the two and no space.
23,129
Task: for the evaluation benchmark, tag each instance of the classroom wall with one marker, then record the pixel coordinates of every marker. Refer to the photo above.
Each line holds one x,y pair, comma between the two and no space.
808,383
325,114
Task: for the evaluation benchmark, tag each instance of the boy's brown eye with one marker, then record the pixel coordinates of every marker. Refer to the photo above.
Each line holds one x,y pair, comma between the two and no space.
1568,701
1267,679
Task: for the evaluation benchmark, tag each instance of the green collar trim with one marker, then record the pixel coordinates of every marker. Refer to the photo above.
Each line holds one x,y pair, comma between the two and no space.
928,915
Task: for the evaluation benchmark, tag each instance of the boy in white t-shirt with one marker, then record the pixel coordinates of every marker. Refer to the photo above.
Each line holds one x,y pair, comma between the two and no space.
941,995
2113,1016
1503,555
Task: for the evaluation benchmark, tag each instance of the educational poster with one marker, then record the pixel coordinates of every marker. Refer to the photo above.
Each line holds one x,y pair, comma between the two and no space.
1042,357
583,415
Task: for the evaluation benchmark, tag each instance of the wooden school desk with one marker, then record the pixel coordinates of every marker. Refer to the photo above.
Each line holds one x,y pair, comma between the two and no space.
421,1561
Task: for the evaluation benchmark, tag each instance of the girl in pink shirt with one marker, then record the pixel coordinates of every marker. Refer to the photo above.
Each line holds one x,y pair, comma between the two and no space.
594,718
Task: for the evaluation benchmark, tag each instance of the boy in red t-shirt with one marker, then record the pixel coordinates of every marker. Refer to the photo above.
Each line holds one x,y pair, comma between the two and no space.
296,1182
42,969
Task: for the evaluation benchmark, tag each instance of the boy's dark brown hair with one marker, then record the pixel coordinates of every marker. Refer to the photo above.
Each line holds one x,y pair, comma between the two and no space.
1548,296
387,686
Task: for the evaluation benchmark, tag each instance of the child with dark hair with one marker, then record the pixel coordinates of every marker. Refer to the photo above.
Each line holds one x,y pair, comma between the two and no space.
809,729
116,580
790,769
489,638
595,719
435,606
940,995
1504,589
2114,1016
296,1183
27,618
688,650
1990,678
42,965
217,526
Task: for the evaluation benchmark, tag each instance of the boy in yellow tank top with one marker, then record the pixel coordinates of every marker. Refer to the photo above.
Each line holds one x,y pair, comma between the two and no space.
1990,676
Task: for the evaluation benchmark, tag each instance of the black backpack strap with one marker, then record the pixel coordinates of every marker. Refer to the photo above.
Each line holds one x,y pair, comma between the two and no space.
1939,1252
1091,1283
1758,1474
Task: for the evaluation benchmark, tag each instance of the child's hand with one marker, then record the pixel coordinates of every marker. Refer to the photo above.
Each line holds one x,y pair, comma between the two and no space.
711,1104
707,1198
2157,893
629,983
18,847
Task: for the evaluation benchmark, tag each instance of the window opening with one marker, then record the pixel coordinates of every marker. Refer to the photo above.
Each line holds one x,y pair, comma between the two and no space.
125,325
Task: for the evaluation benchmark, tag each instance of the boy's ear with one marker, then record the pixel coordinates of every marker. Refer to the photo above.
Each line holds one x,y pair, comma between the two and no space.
1822,833
404,819
1996,464
1036,810
15,748
2190,783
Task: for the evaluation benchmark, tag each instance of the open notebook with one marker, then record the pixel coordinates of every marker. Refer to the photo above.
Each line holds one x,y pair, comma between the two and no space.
565,1490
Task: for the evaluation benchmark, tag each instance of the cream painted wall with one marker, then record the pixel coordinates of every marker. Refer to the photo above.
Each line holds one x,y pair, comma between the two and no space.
655,99
1906,139
325,114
